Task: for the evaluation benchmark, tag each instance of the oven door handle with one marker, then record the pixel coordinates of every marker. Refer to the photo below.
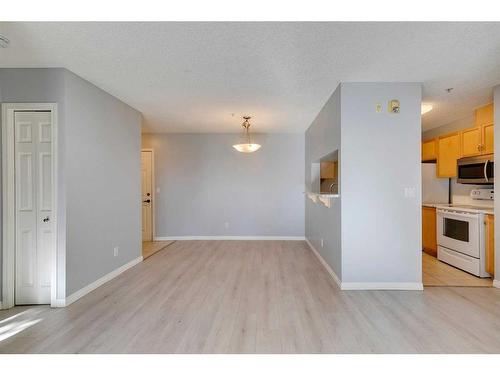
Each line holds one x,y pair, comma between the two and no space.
485,171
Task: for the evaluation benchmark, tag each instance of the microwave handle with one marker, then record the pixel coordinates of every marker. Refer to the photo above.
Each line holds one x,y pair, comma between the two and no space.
485,171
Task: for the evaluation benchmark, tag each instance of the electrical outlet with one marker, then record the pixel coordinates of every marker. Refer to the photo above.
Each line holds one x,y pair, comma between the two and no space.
226,225
409,192
116,250
322,243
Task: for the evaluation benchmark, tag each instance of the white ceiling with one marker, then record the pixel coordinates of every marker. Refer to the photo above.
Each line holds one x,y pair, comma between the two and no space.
191,77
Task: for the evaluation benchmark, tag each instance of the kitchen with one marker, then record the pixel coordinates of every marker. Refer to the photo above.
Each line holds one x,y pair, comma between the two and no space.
457,202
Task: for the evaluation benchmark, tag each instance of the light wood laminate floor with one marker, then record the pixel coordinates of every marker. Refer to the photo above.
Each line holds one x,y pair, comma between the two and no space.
253,297
437,273
152,247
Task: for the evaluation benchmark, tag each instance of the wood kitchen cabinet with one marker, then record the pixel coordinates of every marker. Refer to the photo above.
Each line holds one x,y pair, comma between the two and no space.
488,140
448,152
479,139
484,115
429,238
489,221
429,150
471,141
328,170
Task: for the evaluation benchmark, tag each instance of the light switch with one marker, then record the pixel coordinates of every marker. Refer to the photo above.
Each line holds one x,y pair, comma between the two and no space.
409,192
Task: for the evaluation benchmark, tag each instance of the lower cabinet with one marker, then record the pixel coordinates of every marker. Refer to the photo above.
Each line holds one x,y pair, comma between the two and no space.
489,221
429,239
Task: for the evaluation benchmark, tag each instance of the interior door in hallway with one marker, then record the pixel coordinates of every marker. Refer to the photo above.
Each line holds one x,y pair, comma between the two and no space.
147,195
33,207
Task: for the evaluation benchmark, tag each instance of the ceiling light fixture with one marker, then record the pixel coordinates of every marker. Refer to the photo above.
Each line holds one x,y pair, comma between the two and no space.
425,108
4,42
248,146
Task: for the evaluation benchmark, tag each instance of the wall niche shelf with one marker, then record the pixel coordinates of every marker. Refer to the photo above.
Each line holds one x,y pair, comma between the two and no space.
322,198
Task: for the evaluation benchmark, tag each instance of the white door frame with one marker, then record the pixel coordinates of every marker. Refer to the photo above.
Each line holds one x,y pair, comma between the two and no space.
153,191
8,208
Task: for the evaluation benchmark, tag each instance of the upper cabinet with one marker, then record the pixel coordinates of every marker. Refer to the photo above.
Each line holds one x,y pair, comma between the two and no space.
479,139
484,120
488,143
328,170
449,152
484,115
429,150
471,141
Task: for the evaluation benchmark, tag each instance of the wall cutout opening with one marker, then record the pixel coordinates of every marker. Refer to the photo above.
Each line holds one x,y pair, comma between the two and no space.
325,174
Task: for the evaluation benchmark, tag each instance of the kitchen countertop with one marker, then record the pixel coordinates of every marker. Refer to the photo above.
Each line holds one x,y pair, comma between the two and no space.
433,205
462,207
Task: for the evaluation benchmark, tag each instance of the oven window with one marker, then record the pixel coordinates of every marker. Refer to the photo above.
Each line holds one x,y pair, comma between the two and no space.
456,229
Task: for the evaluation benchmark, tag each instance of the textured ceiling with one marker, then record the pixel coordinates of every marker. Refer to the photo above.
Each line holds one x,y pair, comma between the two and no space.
192,77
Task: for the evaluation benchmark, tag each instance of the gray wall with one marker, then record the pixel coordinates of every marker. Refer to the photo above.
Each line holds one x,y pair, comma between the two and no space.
205,183
381,228
99,171
372,232
321,138
103,143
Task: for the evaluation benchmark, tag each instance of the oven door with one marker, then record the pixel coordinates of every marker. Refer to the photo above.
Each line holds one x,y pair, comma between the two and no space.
459,231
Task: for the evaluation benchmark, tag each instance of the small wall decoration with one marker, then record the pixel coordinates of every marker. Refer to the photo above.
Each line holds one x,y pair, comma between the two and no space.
394,106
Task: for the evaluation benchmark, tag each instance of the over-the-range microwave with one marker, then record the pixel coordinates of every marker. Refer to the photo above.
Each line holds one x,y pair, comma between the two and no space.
476,170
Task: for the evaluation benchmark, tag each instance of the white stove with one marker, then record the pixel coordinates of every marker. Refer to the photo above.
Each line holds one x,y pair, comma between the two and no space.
460,237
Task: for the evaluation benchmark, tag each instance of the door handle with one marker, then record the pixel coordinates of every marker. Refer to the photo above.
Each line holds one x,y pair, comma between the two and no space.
46,219
485,172
147,201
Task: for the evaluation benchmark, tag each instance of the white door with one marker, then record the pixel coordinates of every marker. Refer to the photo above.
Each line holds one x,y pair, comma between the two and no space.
33,190
147,209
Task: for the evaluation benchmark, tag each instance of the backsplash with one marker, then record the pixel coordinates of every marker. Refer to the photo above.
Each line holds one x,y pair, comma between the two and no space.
461,194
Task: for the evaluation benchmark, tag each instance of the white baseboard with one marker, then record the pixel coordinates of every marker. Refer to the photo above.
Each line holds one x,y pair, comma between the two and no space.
496,283
326,265
382,286
240,238
364,286
89,288
60,302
